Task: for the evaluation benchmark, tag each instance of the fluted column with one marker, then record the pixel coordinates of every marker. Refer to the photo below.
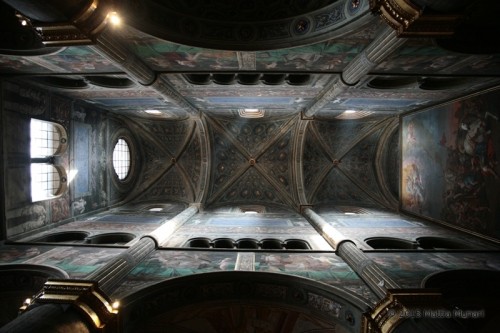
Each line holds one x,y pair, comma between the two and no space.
333,237
46,315
110,275
366,268
111,45
166,230
384,44
395,303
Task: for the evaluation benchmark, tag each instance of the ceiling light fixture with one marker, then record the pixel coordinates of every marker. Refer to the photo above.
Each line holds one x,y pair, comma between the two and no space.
251,113
353,114
114,18
153,111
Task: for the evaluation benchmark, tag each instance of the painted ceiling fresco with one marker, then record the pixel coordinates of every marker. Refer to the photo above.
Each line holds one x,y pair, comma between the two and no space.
283,81
284,159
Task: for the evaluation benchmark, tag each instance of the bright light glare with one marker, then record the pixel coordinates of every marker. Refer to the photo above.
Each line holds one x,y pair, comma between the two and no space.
114,18
71,175
152,111
24,23
252,110
350,111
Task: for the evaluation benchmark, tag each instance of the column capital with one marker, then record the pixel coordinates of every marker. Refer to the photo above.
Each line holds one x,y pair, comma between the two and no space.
85,296
410,20
399,14
404,304
81,29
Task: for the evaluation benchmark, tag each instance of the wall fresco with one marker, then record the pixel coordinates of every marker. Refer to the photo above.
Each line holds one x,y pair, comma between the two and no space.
361,224
240,225
418,56
409,269
17,254
324,56
86,192
324,267
81,149
78,262
450,170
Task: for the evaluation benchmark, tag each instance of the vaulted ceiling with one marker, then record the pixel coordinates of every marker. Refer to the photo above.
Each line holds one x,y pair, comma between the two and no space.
202,64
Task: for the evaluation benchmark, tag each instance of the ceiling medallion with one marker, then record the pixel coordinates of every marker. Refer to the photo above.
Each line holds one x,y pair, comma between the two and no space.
355,3
301,26
354,6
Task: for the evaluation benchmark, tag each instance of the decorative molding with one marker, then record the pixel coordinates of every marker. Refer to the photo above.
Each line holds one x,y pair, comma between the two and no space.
383,45
247,60
297,163
398,14
382,152
111,45
411,21
231,289
84,295
296,27
82,29
333,237
332,90
434,25
206,160
366,268
403,304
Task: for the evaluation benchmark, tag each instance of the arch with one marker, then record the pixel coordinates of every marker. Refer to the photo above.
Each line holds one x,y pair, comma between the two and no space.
198,303
296,244
435,243
68,82
48,140
112,238
392,82
239,26
390,243
387,158
19,282
473,290
64,237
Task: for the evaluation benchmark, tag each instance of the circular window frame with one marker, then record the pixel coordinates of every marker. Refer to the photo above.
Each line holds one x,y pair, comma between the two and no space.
115,167
125,183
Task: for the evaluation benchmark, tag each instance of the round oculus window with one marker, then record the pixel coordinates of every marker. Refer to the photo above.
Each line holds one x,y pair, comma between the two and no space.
121,159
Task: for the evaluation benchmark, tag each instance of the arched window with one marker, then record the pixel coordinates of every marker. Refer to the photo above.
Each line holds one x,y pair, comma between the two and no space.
48,140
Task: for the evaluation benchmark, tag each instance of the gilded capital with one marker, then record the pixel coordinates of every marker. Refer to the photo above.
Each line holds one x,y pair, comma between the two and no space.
399,14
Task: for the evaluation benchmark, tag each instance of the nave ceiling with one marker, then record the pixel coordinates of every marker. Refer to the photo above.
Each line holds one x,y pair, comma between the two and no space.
200,65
